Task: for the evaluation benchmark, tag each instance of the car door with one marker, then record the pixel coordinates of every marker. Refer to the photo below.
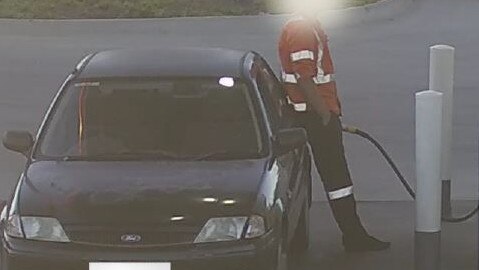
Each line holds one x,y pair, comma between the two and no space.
290,164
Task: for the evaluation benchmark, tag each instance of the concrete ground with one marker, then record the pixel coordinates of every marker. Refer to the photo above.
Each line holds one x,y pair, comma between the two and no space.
391,221
380,66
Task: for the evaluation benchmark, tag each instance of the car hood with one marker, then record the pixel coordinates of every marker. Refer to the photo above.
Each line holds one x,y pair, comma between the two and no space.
161,193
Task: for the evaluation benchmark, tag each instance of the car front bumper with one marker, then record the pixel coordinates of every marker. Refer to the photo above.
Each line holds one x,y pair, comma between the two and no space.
252,254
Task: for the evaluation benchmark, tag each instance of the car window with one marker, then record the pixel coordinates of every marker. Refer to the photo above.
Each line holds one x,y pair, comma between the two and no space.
170,118
273,97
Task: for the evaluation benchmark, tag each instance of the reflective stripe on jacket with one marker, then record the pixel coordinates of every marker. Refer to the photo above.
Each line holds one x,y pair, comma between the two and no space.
304,52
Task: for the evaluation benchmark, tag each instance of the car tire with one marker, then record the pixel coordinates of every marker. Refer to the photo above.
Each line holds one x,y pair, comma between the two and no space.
300,242
3,259
7,264
279,253
282,257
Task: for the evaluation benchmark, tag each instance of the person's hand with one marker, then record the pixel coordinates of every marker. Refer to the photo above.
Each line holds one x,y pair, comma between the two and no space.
325,117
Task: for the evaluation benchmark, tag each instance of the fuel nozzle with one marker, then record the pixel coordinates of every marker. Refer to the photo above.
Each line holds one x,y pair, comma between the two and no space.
350,129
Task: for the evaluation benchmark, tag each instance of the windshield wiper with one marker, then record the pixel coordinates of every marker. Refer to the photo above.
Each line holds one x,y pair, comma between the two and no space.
224,155
126,155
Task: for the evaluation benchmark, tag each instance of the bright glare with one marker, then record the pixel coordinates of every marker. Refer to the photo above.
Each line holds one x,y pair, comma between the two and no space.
227,82
310,7
324,11
229,202
177,218
210,200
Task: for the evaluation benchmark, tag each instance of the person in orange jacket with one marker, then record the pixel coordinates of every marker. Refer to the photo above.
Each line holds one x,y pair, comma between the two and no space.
308,78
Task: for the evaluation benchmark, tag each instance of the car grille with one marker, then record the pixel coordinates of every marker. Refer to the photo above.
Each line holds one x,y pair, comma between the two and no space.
113,237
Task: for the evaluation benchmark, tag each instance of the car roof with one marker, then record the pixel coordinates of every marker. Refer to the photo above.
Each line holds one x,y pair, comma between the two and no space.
174,62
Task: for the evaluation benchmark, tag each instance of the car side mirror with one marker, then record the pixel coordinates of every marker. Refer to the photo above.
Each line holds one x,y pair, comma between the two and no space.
18,141
290,139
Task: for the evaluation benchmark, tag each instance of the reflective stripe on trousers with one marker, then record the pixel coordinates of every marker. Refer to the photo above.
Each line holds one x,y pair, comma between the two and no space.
340,193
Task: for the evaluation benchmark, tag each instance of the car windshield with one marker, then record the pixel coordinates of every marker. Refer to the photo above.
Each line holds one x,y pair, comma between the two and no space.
192,119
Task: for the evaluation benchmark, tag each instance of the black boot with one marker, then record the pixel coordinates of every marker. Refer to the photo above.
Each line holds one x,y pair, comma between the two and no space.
355,236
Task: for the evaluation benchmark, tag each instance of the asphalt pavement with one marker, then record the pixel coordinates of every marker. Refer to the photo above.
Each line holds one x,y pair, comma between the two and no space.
380,65
391,221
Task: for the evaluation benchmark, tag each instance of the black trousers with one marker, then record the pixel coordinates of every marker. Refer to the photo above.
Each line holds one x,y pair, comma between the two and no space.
328,154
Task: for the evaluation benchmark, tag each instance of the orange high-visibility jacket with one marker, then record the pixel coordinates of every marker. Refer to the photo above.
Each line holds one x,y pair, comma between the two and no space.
304,52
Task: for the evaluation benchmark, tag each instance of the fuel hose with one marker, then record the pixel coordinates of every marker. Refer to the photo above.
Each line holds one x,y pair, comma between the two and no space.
400,176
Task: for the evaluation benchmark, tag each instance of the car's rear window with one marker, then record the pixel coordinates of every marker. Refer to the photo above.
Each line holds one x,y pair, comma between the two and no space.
153,118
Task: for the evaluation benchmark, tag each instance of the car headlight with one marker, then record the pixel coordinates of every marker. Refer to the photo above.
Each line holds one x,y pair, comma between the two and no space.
13,227
256,227
36,228
231,229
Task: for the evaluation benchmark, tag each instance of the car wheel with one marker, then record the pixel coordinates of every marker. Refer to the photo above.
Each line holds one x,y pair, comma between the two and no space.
282,262
300,242
3,259
6,263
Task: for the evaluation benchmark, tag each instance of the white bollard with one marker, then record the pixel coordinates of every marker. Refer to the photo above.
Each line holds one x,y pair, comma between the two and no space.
428,161
441,79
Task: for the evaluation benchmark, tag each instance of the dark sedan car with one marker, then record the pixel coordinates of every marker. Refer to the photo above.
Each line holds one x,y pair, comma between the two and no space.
159,160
